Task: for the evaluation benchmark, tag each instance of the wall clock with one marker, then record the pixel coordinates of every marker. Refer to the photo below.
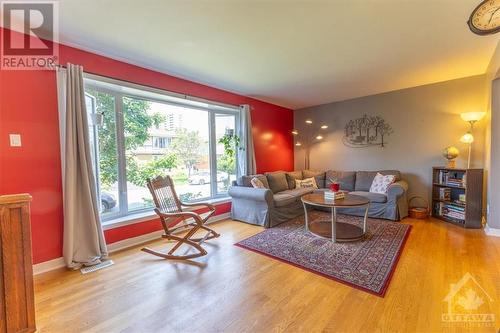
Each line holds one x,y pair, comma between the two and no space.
485,18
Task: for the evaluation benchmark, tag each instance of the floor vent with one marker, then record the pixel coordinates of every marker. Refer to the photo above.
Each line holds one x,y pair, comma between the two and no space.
97,267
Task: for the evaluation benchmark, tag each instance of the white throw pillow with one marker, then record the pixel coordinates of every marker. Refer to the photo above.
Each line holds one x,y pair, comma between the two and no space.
306,183
257,183
381,183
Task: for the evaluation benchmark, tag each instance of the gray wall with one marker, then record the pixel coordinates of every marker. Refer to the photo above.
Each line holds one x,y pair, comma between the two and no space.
425,120
494,167
492,146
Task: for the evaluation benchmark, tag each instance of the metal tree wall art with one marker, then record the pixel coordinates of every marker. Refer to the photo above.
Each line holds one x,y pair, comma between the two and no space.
366,131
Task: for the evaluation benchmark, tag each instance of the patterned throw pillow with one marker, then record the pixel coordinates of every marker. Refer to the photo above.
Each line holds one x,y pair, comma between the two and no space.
306,183
257,183
381,183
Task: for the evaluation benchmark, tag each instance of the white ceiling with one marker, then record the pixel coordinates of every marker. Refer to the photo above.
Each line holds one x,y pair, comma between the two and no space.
292,53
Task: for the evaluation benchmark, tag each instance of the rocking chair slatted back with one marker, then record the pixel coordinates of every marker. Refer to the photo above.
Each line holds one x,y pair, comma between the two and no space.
164,196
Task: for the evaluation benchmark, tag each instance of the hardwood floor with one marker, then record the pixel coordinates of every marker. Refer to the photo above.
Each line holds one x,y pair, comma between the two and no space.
235,290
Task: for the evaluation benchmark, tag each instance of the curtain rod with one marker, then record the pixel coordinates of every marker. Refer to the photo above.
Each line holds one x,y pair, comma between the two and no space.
176,94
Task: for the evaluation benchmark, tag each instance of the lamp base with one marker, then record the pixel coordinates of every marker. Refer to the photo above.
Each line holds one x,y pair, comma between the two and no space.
451,164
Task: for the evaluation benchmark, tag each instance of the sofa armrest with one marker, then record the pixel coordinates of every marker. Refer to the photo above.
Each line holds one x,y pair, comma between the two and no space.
250,193
397,190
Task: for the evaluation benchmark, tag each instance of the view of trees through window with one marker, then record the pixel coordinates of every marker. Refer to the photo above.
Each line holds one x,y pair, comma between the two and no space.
150,138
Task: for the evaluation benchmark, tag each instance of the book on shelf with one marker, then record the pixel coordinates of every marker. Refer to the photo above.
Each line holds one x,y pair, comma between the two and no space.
455,182
455,215
455,209
450,210
455,218
438,208
444,194
443,176
330,195
449,178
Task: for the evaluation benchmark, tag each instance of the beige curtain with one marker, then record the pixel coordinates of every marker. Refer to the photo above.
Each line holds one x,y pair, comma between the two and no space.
83,236
246,153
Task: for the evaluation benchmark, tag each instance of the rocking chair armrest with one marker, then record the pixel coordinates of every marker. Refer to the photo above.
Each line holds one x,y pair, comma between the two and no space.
194,215
209,206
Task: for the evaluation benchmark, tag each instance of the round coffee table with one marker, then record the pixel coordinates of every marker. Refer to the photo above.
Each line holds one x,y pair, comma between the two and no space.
334,230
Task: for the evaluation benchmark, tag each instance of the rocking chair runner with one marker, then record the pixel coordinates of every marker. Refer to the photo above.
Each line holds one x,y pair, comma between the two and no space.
170,210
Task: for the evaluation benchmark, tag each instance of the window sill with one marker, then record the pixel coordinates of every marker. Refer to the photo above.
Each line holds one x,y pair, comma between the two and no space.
148,215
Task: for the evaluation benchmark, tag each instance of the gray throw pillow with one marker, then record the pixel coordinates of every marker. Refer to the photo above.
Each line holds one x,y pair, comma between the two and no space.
291,177
277,181
364,180
346,179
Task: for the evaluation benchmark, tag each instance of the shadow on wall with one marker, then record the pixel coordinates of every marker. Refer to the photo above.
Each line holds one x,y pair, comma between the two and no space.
417,186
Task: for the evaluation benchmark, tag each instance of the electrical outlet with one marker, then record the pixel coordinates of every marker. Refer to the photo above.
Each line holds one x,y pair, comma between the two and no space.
488,209
15,140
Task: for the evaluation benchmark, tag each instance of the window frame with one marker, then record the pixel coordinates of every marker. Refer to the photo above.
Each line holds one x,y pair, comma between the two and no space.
119,90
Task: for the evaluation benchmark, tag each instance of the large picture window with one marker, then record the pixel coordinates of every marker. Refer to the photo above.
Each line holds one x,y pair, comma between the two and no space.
138,134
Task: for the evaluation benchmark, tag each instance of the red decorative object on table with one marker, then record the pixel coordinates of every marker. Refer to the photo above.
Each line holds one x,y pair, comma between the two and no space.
334,187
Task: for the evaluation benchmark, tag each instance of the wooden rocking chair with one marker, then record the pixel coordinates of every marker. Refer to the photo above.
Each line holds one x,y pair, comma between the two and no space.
170,210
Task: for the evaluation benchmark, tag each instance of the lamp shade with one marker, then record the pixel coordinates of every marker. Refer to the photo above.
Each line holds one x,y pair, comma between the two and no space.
467,138
472,116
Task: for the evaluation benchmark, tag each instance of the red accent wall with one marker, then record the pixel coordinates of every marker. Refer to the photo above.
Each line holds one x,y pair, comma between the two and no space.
28,106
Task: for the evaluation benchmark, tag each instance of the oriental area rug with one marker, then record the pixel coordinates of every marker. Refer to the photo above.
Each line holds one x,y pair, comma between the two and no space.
367,264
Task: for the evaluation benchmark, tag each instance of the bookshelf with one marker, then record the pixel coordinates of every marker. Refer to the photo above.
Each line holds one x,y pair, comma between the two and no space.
457,196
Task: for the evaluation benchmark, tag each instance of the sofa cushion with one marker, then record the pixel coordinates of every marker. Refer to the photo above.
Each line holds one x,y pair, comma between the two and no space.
298,192
291,176
381,183
373,197
247,180
319,176
277,181
396,173
364,179
257,183
346,179
306,183
283,199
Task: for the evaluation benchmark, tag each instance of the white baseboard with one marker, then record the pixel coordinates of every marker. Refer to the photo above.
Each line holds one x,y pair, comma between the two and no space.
131,242
491,231
47,266
53,264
